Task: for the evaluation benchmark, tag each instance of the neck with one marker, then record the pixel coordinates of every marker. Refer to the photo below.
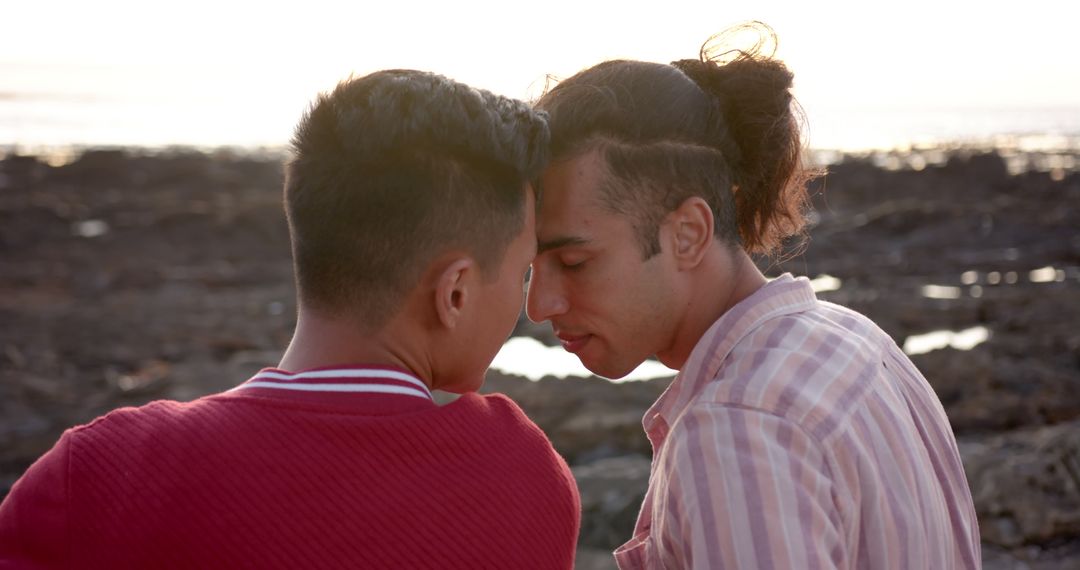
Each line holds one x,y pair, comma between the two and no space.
725,277
321,341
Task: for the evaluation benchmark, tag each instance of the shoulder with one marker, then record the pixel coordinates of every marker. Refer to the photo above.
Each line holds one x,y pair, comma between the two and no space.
155,410
37,511
122,420
810,367
530,490
826,331
506,430
502,432
151,432
490,405
150,416
501,417
497,408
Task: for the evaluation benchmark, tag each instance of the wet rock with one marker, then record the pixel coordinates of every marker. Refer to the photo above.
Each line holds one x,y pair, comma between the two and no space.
594,559
1026,485
1060,557
984,169
612,490
149,379
983,391
21,172
95,168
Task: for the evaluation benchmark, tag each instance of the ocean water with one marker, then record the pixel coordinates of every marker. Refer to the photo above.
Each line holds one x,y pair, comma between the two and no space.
65,105
36,122
29,122
1026,129
62,107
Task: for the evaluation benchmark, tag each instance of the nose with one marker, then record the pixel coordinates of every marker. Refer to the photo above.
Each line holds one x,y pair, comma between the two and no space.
545,299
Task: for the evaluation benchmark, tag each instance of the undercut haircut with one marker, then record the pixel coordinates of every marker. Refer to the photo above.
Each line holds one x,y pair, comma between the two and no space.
722,127
392,169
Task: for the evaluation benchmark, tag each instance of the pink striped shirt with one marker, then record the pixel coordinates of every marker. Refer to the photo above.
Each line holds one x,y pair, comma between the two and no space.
797,435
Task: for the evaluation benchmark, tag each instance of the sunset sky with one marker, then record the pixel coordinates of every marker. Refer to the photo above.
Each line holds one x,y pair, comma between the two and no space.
266,61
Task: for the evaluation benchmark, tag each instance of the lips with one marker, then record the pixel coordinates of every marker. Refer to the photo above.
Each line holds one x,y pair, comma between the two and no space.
573,343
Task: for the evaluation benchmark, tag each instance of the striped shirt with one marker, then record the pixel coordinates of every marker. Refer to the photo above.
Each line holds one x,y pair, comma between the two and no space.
797,435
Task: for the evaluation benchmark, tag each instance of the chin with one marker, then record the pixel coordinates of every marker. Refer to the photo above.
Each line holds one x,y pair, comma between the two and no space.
611,371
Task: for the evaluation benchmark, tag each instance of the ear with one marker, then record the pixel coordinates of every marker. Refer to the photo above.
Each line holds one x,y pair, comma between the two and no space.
691,227
452,291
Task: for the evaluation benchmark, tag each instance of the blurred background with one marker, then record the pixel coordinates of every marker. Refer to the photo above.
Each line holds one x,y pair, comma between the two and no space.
210,72
144,255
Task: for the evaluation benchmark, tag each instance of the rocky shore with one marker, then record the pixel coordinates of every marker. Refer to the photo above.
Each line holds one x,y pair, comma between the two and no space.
127,276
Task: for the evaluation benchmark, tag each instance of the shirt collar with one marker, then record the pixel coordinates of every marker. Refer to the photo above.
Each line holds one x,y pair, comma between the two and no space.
784,295
338,384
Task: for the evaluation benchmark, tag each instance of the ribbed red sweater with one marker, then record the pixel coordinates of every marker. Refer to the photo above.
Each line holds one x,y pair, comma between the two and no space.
353,468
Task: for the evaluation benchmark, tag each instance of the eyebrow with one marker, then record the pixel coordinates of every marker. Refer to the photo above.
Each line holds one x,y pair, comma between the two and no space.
556,243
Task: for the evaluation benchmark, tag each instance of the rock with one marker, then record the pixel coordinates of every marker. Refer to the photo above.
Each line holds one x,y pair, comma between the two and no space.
611,493
1026,485
190,290
985,168
594,559
21,171
1063,557
97,168
148,380
985,390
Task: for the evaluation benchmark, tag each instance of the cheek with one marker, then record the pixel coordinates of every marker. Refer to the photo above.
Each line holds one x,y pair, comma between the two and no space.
607,297
644,302
511,299
633,284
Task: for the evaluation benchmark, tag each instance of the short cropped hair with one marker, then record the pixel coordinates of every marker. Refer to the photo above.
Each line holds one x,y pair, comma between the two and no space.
391,169
722,127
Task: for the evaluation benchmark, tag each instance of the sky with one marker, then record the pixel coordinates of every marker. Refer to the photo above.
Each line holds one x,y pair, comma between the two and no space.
266,61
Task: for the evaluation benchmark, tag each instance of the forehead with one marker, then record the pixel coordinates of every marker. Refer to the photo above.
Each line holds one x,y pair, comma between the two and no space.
570,199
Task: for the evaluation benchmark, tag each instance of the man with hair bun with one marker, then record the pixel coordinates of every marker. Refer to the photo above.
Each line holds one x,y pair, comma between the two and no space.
412,224
796,434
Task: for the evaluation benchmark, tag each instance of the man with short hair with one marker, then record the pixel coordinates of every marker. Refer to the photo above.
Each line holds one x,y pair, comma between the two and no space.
412,226
796,434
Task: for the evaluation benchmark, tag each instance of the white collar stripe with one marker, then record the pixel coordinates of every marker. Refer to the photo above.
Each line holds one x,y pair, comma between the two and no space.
353,388
317,374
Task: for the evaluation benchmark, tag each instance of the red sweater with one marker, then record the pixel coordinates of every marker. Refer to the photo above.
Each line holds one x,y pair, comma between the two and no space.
336,468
